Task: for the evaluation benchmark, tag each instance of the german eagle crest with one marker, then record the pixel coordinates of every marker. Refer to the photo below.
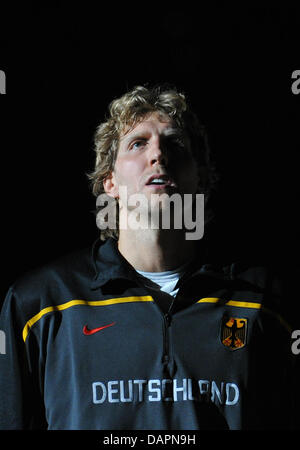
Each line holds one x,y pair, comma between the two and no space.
234,332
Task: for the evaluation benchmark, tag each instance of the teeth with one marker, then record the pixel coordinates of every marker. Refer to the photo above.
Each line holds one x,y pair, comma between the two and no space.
158,180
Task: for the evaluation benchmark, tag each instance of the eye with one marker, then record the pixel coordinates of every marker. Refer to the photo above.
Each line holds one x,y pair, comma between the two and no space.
174,141
137,144
177,143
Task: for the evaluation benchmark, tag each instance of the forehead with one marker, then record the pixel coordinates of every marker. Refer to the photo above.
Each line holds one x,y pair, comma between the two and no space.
153,122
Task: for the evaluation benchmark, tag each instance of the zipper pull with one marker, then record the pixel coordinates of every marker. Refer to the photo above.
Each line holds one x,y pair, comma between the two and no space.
168,319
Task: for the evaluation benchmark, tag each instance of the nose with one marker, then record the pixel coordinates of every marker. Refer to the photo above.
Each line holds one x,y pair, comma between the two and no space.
158,155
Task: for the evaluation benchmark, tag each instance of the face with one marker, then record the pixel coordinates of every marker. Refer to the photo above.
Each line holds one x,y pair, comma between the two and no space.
153,148
153,158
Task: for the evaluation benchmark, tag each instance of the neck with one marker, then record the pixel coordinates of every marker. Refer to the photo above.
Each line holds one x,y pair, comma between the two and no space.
155,250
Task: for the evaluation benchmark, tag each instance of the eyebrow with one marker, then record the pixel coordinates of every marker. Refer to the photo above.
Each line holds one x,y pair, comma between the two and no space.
173,131
138,135
170,131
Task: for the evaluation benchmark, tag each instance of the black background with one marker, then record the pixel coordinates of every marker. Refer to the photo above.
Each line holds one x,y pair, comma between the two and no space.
65,62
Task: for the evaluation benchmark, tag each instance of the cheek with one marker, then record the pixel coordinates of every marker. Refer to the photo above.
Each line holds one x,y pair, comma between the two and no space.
128,172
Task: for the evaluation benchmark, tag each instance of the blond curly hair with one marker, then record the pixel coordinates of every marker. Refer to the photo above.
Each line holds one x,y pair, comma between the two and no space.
125,112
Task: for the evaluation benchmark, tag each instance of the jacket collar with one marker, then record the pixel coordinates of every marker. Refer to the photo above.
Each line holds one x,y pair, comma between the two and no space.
109,264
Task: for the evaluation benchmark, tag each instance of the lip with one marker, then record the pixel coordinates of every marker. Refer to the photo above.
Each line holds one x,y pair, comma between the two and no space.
168,181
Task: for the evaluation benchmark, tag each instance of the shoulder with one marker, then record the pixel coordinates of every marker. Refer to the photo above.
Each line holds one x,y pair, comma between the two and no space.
261,272
63,267
53,283
276,280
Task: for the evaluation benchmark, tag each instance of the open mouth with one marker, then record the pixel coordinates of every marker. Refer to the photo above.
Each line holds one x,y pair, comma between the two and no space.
160,181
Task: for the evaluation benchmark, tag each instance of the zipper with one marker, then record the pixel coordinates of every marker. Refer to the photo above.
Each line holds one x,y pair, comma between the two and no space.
166,341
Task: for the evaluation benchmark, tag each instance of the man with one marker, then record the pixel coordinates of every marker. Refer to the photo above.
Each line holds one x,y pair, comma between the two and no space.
139,332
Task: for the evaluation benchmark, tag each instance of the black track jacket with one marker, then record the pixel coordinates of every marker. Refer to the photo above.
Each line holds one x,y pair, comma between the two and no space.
89,346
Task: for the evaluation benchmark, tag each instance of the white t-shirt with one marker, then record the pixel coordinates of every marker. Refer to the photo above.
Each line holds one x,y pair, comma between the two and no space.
165,281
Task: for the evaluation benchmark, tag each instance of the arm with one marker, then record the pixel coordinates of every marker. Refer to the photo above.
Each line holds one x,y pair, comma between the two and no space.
21,405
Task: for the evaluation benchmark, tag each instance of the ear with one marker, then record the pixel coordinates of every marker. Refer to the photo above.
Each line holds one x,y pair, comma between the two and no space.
111,186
